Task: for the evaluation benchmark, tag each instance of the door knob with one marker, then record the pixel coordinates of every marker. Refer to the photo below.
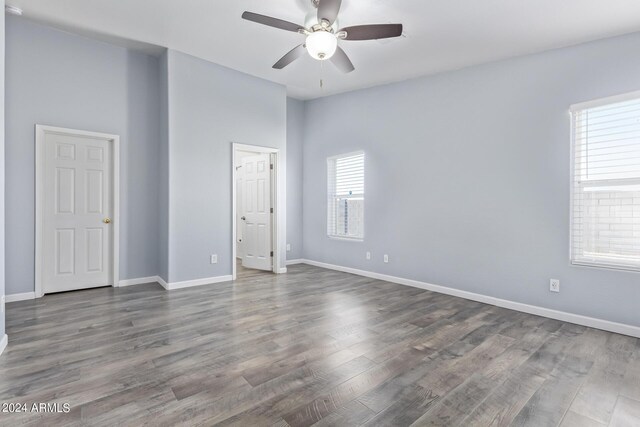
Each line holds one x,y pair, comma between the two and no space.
244,218
107,220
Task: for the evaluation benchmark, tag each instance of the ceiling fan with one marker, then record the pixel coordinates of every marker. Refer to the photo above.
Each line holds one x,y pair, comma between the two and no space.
322,37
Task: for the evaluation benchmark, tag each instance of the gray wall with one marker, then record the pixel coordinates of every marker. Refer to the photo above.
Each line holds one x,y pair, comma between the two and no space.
2,167
295,134
467,177
59,79
163,182
209,108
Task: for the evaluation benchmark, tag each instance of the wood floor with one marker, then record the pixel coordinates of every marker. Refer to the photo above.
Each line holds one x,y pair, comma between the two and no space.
312,347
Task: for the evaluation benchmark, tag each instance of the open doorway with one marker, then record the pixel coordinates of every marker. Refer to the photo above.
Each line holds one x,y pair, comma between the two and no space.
255,213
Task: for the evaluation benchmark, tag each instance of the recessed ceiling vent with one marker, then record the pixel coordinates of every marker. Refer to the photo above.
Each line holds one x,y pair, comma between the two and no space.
13,10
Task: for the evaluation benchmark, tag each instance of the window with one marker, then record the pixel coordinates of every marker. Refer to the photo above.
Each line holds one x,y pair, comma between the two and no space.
345,191
605,212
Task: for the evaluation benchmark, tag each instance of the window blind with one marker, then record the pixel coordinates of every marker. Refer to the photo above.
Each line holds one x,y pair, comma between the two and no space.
345,192
605,212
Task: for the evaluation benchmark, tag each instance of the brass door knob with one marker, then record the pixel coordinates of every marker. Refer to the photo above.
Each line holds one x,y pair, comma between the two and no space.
107,220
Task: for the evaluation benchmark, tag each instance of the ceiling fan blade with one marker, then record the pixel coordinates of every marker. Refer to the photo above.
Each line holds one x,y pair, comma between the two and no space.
342,61
328,10
272,22
293,54
373,32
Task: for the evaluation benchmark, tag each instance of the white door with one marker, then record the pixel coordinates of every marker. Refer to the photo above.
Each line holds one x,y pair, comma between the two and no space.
239,213
256,237
77,236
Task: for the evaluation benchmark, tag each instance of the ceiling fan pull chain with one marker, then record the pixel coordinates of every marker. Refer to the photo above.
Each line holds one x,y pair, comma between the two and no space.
321,80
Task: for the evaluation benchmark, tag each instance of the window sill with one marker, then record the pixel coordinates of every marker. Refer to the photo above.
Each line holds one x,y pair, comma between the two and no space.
604,266
346,239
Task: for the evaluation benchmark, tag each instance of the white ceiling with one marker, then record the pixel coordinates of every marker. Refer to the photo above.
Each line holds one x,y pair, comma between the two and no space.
439,35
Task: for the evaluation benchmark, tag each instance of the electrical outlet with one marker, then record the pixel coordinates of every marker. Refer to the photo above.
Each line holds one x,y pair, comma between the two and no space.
368,255
554,285
214,259
288,247
386,258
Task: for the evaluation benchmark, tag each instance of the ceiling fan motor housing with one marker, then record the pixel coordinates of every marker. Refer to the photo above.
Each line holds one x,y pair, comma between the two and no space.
311,21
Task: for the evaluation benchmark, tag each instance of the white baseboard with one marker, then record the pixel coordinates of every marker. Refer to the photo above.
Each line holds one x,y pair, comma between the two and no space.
20,297
162,282
577,319
3,343
196,282
138,281
175,285
295,261
142,280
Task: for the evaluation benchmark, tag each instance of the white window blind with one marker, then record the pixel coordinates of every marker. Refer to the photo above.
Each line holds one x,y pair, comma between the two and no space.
345,191
605,229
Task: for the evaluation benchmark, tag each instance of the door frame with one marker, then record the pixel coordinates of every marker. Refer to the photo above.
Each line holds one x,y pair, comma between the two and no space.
278,218
41,132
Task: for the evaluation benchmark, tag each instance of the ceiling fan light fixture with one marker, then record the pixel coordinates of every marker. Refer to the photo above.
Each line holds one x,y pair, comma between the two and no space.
321,45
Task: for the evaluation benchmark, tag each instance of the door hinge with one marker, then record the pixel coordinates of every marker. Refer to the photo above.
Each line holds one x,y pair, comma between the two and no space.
271,254
271,210
271,166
